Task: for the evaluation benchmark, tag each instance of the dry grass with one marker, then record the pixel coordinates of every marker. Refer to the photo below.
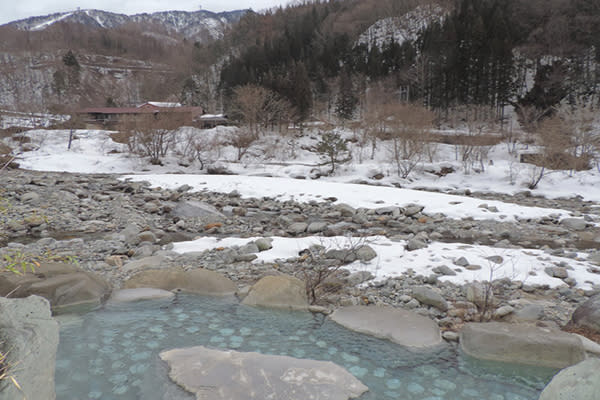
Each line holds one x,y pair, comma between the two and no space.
594,336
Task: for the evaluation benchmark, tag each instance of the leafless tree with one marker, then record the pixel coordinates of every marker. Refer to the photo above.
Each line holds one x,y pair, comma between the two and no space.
151,134
258,107
409,130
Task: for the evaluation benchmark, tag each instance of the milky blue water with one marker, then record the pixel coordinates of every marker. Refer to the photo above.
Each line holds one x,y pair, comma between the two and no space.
112,353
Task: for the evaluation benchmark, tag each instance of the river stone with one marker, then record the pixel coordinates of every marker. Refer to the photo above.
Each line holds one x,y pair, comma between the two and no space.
278,291
578,382
577,224
65,286
429,297
30,197
146,236
400,326
297,228
415,244
444,270
317,226
151,262
230,375
197,209
521,344
345,209
199,281
264,244
587,315
29,337
365,253
557,272
129,295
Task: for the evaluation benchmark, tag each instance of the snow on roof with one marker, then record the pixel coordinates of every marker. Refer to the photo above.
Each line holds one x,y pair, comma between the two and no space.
161,104
212,116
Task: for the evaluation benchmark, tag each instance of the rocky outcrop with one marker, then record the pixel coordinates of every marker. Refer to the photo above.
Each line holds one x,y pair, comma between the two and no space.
66,286
578,382
279,291
587,315
29,338
400,326
521,344
230,375
199,281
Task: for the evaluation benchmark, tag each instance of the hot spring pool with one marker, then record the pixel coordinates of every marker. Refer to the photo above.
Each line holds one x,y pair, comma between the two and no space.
112,353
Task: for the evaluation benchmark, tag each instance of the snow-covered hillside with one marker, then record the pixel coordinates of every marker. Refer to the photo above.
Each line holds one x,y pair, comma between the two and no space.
403,28
191,24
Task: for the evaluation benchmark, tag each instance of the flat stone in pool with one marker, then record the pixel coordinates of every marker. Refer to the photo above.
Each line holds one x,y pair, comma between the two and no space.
395,324
230,375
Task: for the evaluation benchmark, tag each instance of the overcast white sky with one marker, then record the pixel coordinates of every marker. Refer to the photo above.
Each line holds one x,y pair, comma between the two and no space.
11,10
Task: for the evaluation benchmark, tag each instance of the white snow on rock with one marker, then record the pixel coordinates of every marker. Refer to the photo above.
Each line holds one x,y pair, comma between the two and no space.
524,265
354,195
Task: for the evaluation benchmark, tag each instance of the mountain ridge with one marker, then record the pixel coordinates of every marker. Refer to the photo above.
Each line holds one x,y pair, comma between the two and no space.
190,24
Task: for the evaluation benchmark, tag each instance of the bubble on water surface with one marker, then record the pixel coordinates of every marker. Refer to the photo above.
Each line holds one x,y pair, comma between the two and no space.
415,388
358,371
153,344
393,383
120,389
350,358
117,365
217,339
226,331
142,355
118,378
379,372
156,329
192,329
298,353
138,369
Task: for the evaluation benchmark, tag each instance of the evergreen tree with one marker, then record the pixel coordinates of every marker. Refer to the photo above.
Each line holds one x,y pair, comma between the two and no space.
346,100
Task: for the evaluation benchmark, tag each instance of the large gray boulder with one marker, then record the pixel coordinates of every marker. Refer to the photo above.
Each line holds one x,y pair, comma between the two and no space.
66,286
152,262
429,297
587,315
578,382
29,338
139,294
400,326
521,344
198,209
230,375
199,281
278,291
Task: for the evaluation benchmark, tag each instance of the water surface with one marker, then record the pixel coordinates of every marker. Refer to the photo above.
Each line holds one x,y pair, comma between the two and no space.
112,353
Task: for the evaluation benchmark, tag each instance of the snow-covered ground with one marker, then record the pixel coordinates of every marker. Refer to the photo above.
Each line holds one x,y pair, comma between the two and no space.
94,151
272,165
354,195
393,260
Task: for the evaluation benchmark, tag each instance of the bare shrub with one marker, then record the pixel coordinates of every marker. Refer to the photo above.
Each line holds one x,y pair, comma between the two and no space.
150,135
409,129
320,263
256,106
242,139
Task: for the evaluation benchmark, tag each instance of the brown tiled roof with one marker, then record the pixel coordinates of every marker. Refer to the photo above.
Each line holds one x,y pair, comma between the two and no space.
136,110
